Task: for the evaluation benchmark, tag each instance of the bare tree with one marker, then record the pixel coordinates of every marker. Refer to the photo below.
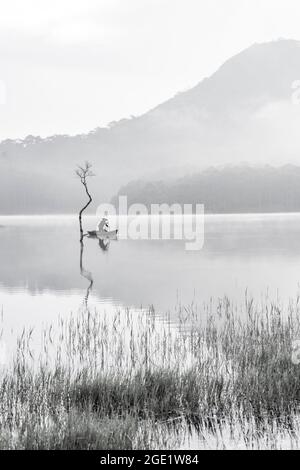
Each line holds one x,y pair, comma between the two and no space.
83,173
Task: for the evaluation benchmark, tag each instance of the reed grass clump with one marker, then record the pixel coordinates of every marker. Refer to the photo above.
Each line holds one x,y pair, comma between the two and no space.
223,378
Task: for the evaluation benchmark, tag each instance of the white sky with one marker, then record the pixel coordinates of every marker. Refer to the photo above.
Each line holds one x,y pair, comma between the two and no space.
68,66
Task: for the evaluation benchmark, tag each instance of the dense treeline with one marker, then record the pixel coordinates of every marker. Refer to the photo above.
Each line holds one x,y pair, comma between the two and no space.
226,190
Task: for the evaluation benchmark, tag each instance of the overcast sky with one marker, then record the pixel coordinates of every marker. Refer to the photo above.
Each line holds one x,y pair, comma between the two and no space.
68,66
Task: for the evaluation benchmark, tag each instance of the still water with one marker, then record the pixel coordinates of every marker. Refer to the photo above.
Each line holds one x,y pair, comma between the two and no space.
41,275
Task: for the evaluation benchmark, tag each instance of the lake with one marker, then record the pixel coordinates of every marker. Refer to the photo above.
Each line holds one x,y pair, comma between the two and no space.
41,279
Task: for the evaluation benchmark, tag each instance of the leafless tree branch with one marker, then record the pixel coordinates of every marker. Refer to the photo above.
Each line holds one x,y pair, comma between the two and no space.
83,173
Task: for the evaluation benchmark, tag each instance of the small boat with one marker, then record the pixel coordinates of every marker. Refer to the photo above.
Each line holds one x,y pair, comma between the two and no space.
102,231
103,235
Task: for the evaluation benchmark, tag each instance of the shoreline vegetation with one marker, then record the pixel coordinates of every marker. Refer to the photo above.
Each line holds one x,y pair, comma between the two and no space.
223,379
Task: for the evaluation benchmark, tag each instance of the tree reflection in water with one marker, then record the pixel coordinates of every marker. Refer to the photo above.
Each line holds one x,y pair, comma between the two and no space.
86,274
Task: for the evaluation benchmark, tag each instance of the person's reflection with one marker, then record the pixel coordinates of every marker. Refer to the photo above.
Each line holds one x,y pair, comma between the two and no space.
86,274
104,244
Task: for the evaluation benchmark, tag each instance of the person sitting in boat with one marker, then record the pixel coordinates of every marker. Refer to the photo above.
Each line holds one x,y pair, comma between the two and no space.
102,230
103,225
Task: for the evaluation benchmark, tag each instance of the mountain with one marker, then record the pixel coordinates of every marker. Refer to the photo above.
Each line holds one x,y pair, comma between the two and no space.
238,189
243,113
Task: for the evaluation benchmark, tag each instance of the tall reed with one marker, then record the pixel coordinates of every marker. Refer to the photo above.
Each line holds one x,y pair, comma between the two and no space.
223,377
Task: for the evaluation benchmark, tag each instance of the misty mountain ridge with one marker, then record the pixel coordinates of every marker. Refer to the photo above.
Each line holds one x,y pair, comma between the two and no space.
243,113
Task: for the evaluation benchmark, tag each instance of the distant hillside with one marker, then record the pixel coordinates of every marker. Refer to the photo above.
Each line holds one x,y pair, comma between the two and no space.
227,190
242,113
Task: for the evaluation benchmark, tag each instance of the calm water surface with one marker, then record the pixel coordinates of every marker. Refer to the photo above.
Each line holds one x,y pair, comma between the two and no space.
40,275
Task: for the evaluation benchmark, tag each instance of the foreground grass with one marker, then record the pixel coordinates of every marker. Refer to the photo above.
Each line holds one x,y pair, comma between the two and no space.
224,379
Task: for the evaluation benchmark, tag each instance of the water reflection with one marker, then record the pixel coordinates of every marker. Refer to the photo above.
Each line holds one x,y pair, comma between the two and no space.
86,274
40,256
104,244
